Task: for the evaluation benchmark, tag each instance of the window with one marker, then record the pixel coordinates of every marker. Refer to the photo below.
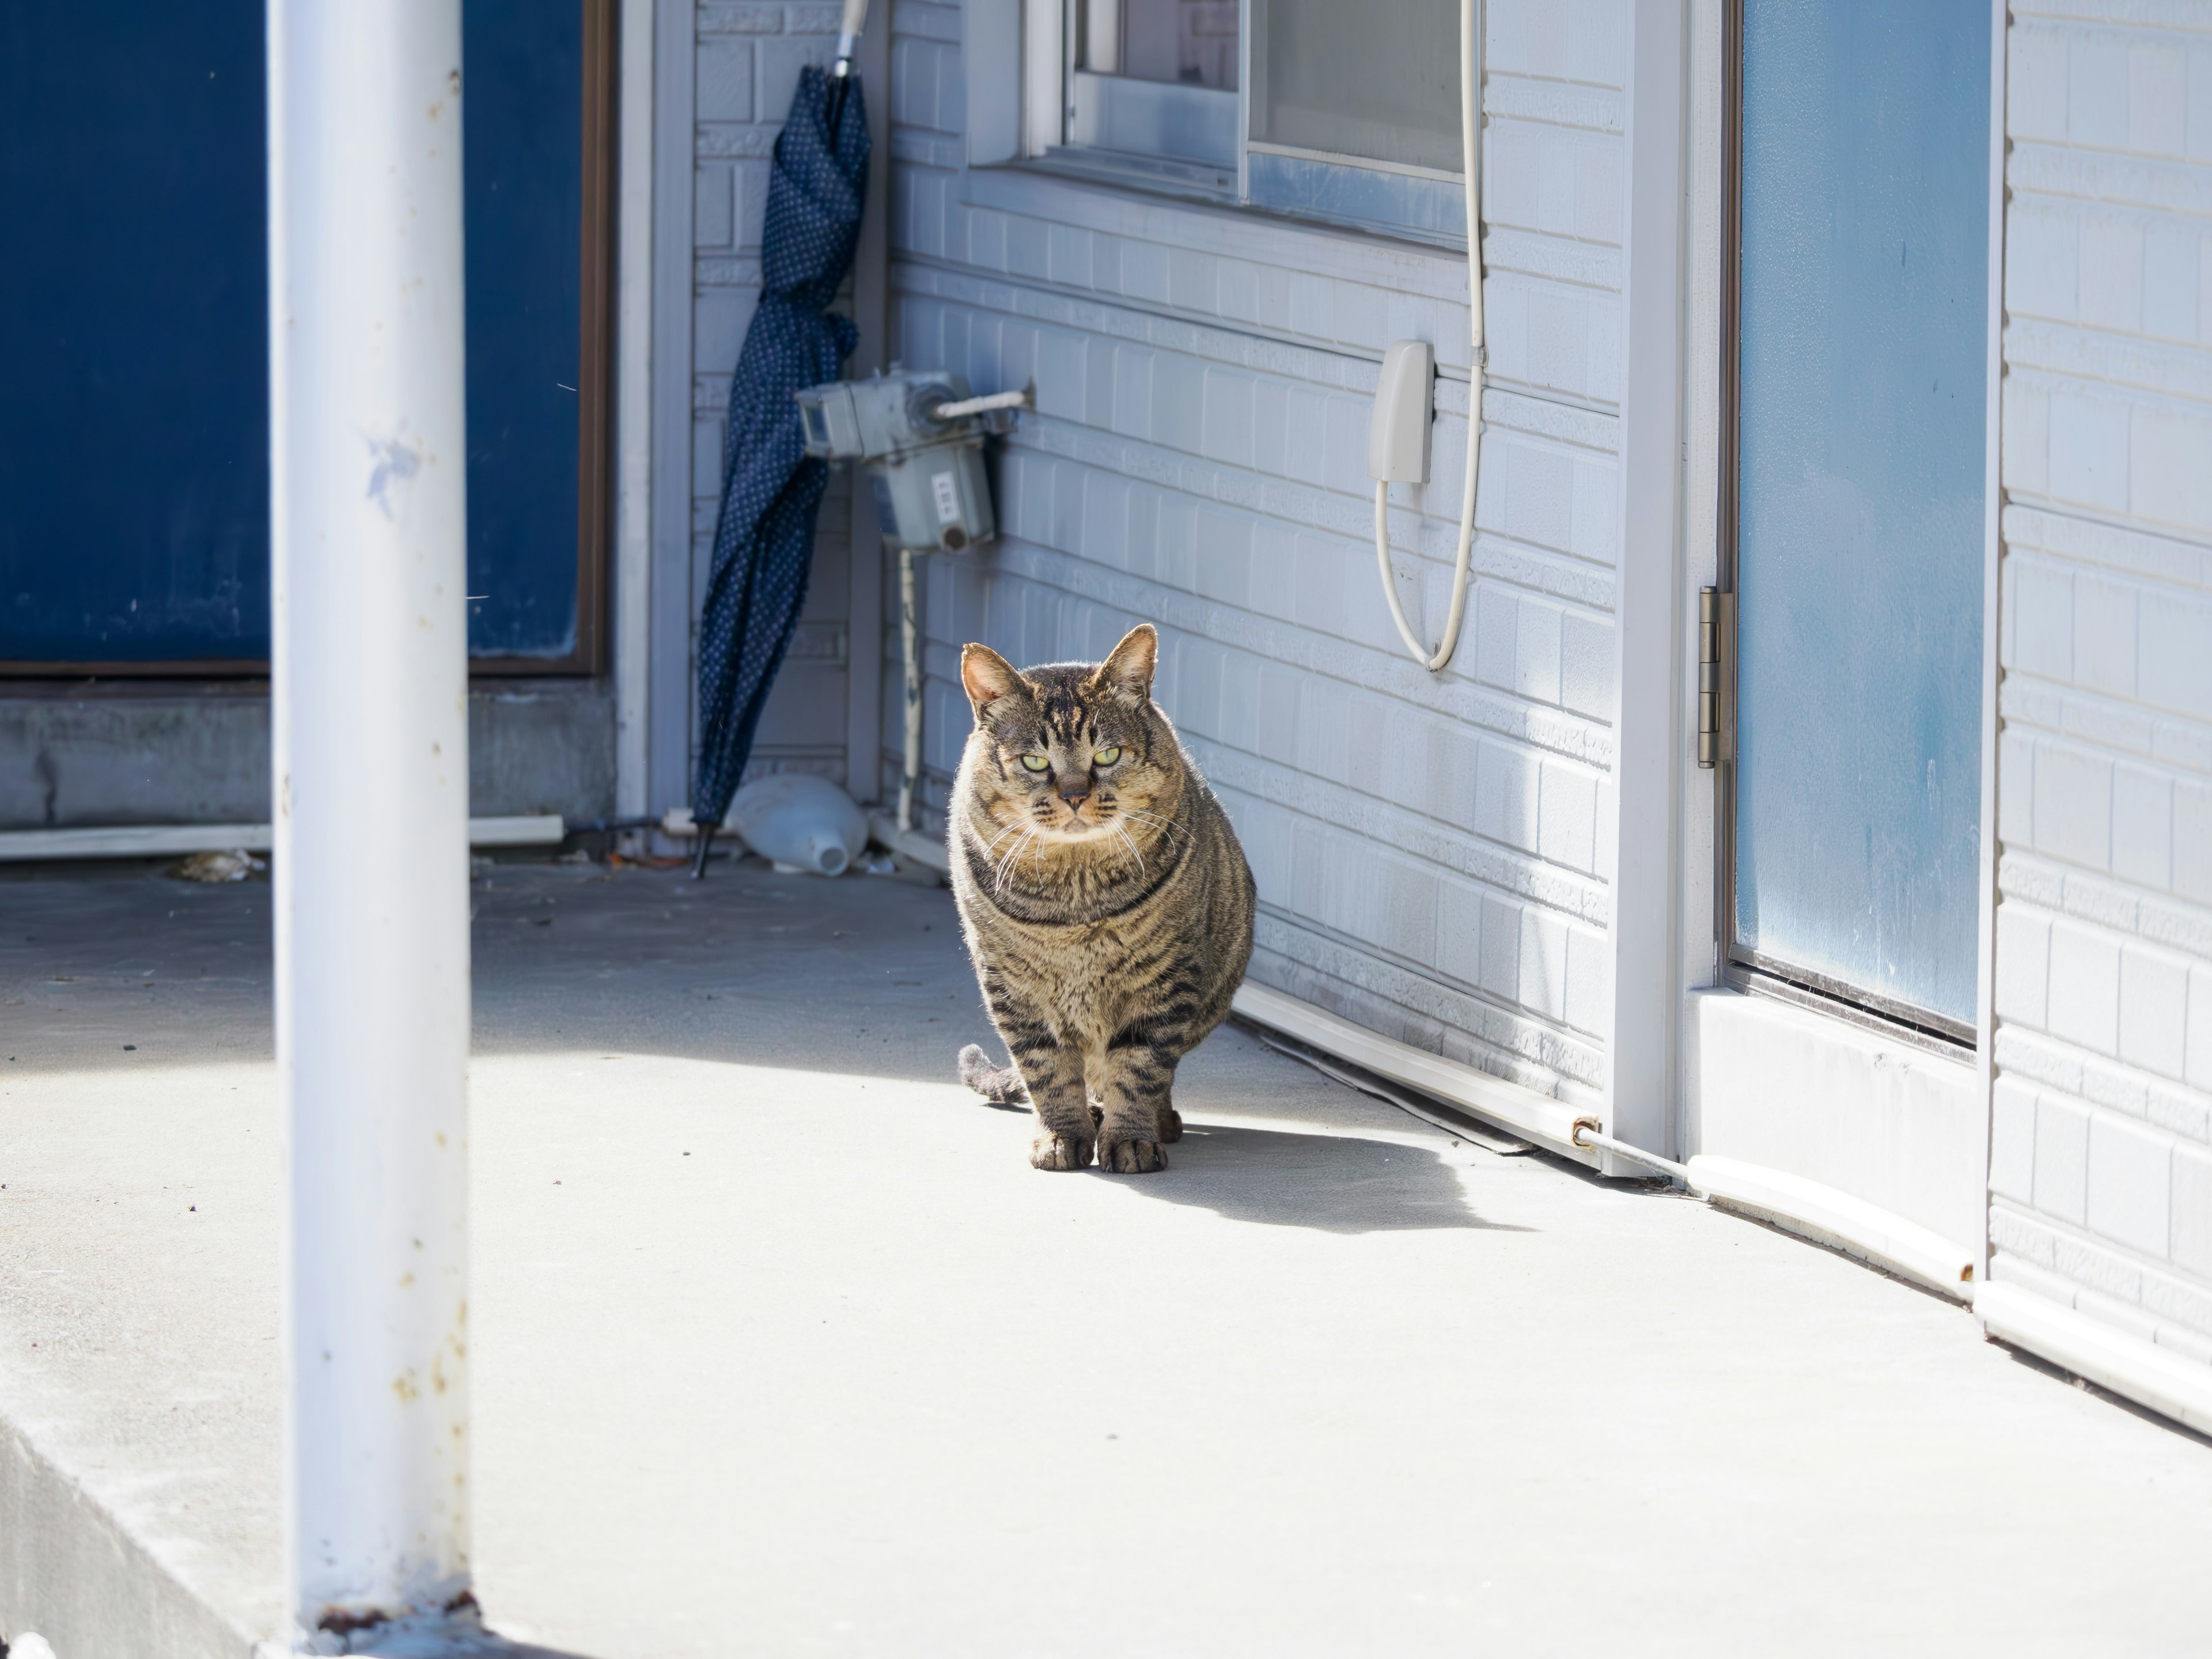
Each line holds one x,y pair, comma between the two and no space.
1320,108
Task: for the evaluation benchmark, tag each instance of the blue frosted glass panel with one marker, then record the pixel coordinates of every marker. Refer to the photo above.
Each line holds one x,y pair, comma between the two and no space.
1864,302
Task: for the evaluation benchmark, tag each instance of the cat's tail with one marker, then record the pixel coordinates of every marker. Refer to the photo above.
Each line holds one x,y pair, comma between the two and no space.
1000,1084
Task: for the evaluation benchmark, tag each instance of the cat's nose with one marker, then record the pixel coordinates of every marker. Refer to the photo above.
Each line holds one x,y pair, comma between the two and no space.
1074,798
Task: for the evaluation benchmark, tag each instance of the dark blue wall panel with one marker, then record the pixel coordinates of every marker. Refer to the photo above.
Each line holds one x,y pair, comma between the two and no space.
134,491
134,377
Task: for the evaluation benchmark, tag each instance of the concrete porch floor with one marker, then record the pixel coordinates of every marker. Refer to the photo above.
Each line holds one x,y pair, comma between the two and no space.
781,1347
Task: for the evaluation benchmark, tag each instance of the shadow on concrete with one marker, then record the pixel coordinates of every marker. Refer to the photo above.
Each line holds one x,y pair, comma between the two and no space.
1331,1183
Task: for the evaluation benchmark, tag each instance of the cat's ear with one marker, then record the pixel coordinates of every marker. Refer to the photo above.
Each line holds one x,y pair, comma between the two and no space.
988,676
1126,673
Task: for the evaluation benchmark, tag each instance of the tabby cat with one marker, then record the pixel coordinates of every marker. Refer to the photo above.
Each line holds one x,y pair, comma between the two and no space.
1104,899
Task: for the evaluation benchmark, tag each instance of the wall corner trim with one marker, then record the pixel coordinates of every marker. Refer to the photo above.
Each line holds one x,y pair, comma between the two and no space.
1643,857
2141,1371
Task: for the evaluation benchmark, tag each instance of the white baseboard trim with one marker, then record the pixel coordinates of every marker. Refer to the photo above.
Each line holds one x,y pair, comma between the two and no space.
155,841
1835,1218
2128,1367
1791,1202
1778,1088
134,841
1549,1123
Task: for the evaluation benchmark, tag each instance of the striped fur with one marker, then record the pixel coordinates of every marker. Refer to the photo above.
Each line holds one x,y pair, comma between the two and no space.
1106,903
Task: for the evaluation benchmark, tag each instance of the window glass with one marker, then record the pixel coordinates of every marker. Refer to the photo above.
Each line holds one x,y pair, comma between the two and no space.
1380,83
1191,43
1156,79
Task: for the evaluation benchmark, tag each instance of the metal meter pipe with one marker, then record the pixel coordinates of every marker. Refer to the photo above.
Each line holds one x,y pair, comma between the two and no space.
369,671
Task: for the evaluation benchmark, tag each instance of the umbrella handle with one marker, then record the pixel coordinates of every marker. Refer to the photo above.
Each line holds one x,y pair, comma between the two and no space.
841,72
848,36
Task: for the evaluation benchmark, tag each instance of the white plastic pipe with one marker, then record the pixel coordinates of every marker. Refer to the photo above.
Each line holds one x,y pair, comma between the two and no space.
984,405
1588,1133
149,841
369,666
1470,115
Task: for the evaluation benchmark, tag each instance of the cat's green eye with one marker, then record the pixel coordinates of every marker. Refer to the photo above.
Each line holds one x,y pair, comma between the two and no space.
1035,763
1107,755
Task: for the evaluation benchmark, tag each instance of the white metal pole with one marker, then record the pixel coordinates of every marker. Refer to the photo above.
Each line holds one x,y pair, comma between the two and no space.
369,663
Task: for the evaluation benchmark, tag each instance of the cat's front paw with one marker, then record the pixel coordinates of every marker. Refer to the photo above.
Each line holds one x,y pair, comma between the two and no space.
1170,1125
1050,1151
1131,1156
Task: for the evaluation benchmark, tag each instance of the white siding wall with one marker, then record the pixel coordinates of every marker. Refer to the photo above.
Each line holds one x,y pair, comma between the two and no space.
746,64
2101,1151
1430,851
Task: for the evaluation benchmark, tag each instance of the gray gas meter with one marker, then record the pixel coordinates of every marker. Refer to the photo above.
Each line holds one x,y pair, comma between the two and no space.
920,437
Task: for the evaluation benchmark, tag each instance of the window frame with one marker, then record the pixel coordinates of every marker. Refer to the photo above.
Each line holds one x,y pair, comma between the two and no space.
595,365
1032,42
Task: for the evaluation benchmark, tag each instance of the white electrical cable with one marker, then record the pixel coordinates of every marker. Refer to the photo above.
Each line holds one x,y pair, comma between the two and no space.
1470,100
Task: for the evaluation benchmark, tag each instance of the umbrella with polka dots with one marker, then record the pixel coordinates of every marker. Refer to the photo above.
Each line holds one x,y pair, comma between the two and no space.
771,490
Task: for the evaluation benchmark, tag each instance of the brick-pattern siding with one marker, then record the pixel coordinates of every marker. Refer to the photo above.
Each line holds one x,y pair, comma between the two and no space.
747,62
2101,1145
1429,850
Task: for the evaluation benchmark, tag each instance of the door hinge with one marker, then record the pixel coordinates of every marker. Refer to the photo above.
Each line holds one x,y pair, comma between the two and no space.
1716,676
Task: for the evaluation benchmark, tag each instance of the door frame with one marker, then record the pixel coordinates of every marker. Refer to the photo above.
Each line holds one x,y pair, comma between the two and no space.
1734,966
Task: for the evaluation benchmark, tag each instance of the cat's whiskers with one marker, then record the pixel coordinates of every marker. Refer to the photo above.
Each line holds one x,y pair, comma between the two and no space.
991,846
1129,841
1165,826
1013,859
1006,865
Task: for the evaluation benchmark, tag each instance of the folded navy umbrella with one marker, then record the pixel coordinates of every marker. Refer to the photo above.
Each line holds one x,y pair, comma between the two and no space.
771,490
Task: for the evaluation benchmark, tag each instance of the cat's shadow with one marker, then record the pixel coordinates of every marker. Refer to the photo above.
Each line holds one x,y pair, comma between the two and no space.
1332,1183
